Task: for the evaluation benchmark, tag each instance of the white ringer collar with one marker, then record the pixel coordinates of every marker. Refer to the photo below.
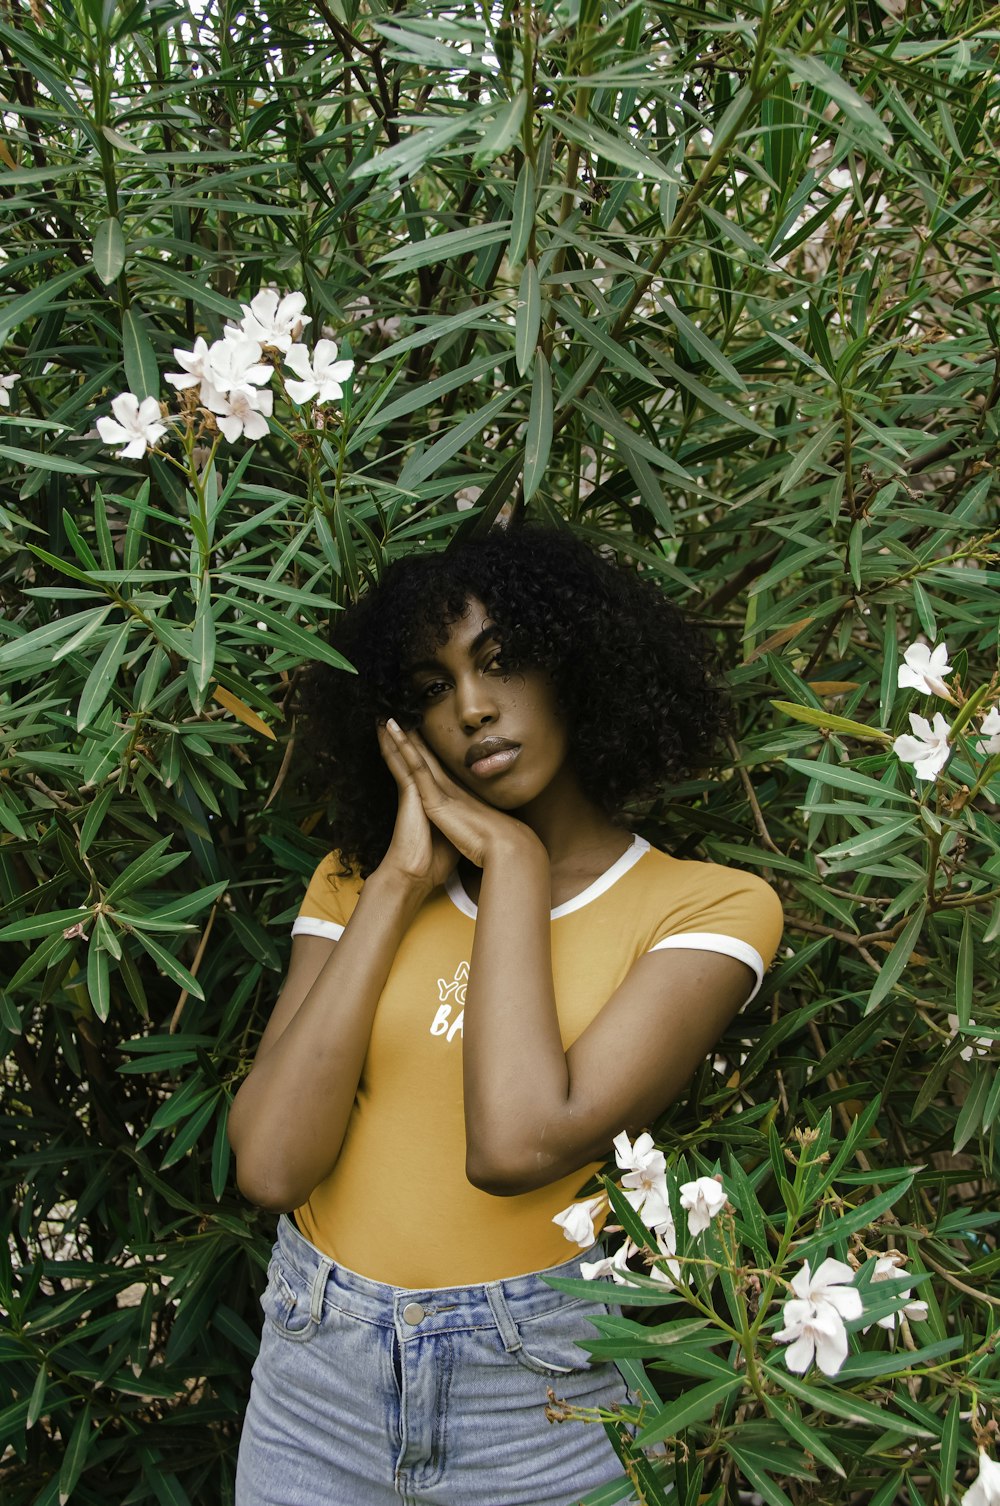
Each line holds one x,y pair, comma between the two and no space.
621,866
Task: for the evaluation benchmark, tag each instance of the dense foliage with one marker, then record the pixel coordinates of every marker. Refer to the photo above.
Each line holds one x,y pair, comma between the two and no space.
716,284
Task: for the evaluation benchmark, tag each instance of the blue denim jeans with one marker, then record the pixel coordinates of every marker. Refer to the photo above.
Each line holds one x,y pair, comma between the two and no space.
371,1395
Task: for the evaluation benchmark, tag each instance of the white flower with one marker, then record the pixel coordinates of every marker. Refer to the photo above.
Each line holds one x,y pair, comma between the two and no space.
138,425
924,669
989,727
194,363
702,1200
830,1284
645,1182
236,363
666,1243
928,749
614,1265
977,1047
244,411
887,1266
6,383
813,1330
272,320
577,1221
814,1317
321,377
985,1490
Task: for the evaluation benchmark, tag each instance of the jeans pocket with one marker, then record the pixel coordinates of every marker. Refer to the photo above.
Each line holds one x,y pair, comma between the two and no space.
286,1302
550,1343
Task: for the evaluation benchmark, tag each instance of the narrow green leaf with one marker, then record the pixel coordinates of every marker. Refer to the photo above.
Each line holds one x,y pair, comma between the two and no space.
874,839
221,1154
696,1405
98,978
843,1404
948,1457
970,1119
168,964
17,310
109,250
897,959
421,395
192,290
523,217
831,723
964,972
805,1436
705,395
502,131
810,69
37,1399
432,459
849,1223
75,1456
141,371
285,635
538,440
39,462
445,247
700,342
98,683
843,777
46,924
807,458
152,864
527,318
203,639
753,1472
189,1135
96,812
596,336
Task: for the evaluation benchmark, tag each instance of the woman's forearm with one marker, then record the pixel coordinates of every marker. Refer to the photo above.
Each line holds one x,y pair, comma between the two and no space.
516,1079
289,1117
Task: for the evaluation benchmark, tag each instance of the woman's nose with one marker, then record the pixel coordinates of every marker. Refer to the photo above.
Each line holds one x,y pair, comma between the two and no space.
477,704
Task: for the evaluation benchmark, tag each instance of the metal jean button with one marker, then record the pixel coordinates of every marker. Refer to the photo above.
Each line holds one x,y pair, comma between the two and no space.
413,1313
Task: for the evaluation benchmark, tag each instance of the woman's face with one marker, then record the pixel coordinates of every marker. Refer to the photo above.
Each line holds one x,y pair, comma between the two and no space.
498,733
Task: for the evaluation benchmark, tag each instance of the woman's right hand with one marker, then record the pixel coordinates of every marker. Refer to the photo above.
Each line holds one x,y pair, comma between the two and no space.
418,852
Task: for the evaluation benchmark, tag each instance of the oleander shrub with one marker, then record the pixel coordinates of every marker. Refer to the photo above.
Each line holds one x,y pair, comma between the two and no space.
716,286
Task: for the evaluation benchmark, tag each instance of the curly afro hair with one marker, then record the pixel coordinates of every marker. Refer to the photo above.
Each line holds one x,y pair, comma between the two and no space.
634,679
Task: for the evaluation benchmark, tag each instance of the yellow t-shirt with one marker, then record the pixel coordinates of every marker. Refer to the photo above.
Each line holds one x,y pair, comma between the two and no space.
397,1206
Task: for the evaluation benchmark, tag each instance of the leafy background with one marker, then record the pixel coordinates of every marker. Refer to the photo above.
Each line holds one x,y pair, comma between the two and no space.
715,285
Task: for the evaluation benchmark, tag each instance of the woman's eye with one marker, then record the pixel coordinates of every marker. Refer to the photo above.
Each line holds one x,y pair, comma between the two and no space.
430,690
496,663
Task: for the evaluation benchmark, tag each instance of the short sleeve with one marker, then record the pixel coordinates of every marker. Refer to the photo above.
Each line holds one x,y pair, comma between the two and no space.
329,902
727,911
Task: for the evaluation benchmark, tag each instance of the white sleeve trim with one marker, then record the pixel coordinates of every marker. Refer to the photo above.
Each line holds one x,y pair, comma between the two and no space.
308,925
711,941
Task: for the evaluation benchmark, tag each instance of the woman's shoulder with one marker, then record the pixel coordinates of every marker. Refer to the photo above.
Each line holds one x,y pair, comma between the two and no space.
333,889
688,886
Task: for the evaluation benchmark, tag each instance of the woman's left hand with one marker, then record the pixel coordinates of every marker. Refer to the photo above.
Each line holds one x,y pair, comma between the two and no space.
476,829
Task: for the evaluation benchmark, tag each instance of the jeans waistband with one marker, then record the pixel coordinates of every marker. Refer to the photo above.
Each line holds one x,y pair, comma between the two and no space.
522,1297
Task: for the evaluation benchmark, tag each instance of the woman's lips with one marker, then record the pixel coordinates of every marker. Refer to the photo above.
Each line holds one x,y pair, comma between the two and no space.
494,763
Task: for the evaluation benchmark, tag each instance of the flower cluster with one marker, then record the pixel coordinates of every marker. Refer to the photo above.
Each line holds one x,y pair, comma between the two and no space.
232,375
6,383
927,746
644,1185
814,1317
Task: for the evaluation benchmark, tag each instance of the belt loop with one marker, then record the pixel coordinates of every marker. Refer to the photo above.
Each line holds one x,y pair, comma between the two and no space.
501,1313
318,1288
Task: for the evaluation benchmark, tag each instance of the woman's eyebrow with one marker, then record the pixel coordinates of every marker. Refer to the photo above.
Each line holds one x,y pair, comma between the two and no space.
487,634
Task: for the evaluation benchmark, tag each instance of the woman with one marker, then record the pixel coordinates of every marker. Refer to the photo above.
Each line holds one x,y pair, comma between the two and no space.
490,978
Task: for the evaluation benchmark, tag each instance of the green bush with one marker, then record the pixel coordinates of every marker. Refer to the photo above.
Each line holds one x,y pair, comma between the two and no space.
715,285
